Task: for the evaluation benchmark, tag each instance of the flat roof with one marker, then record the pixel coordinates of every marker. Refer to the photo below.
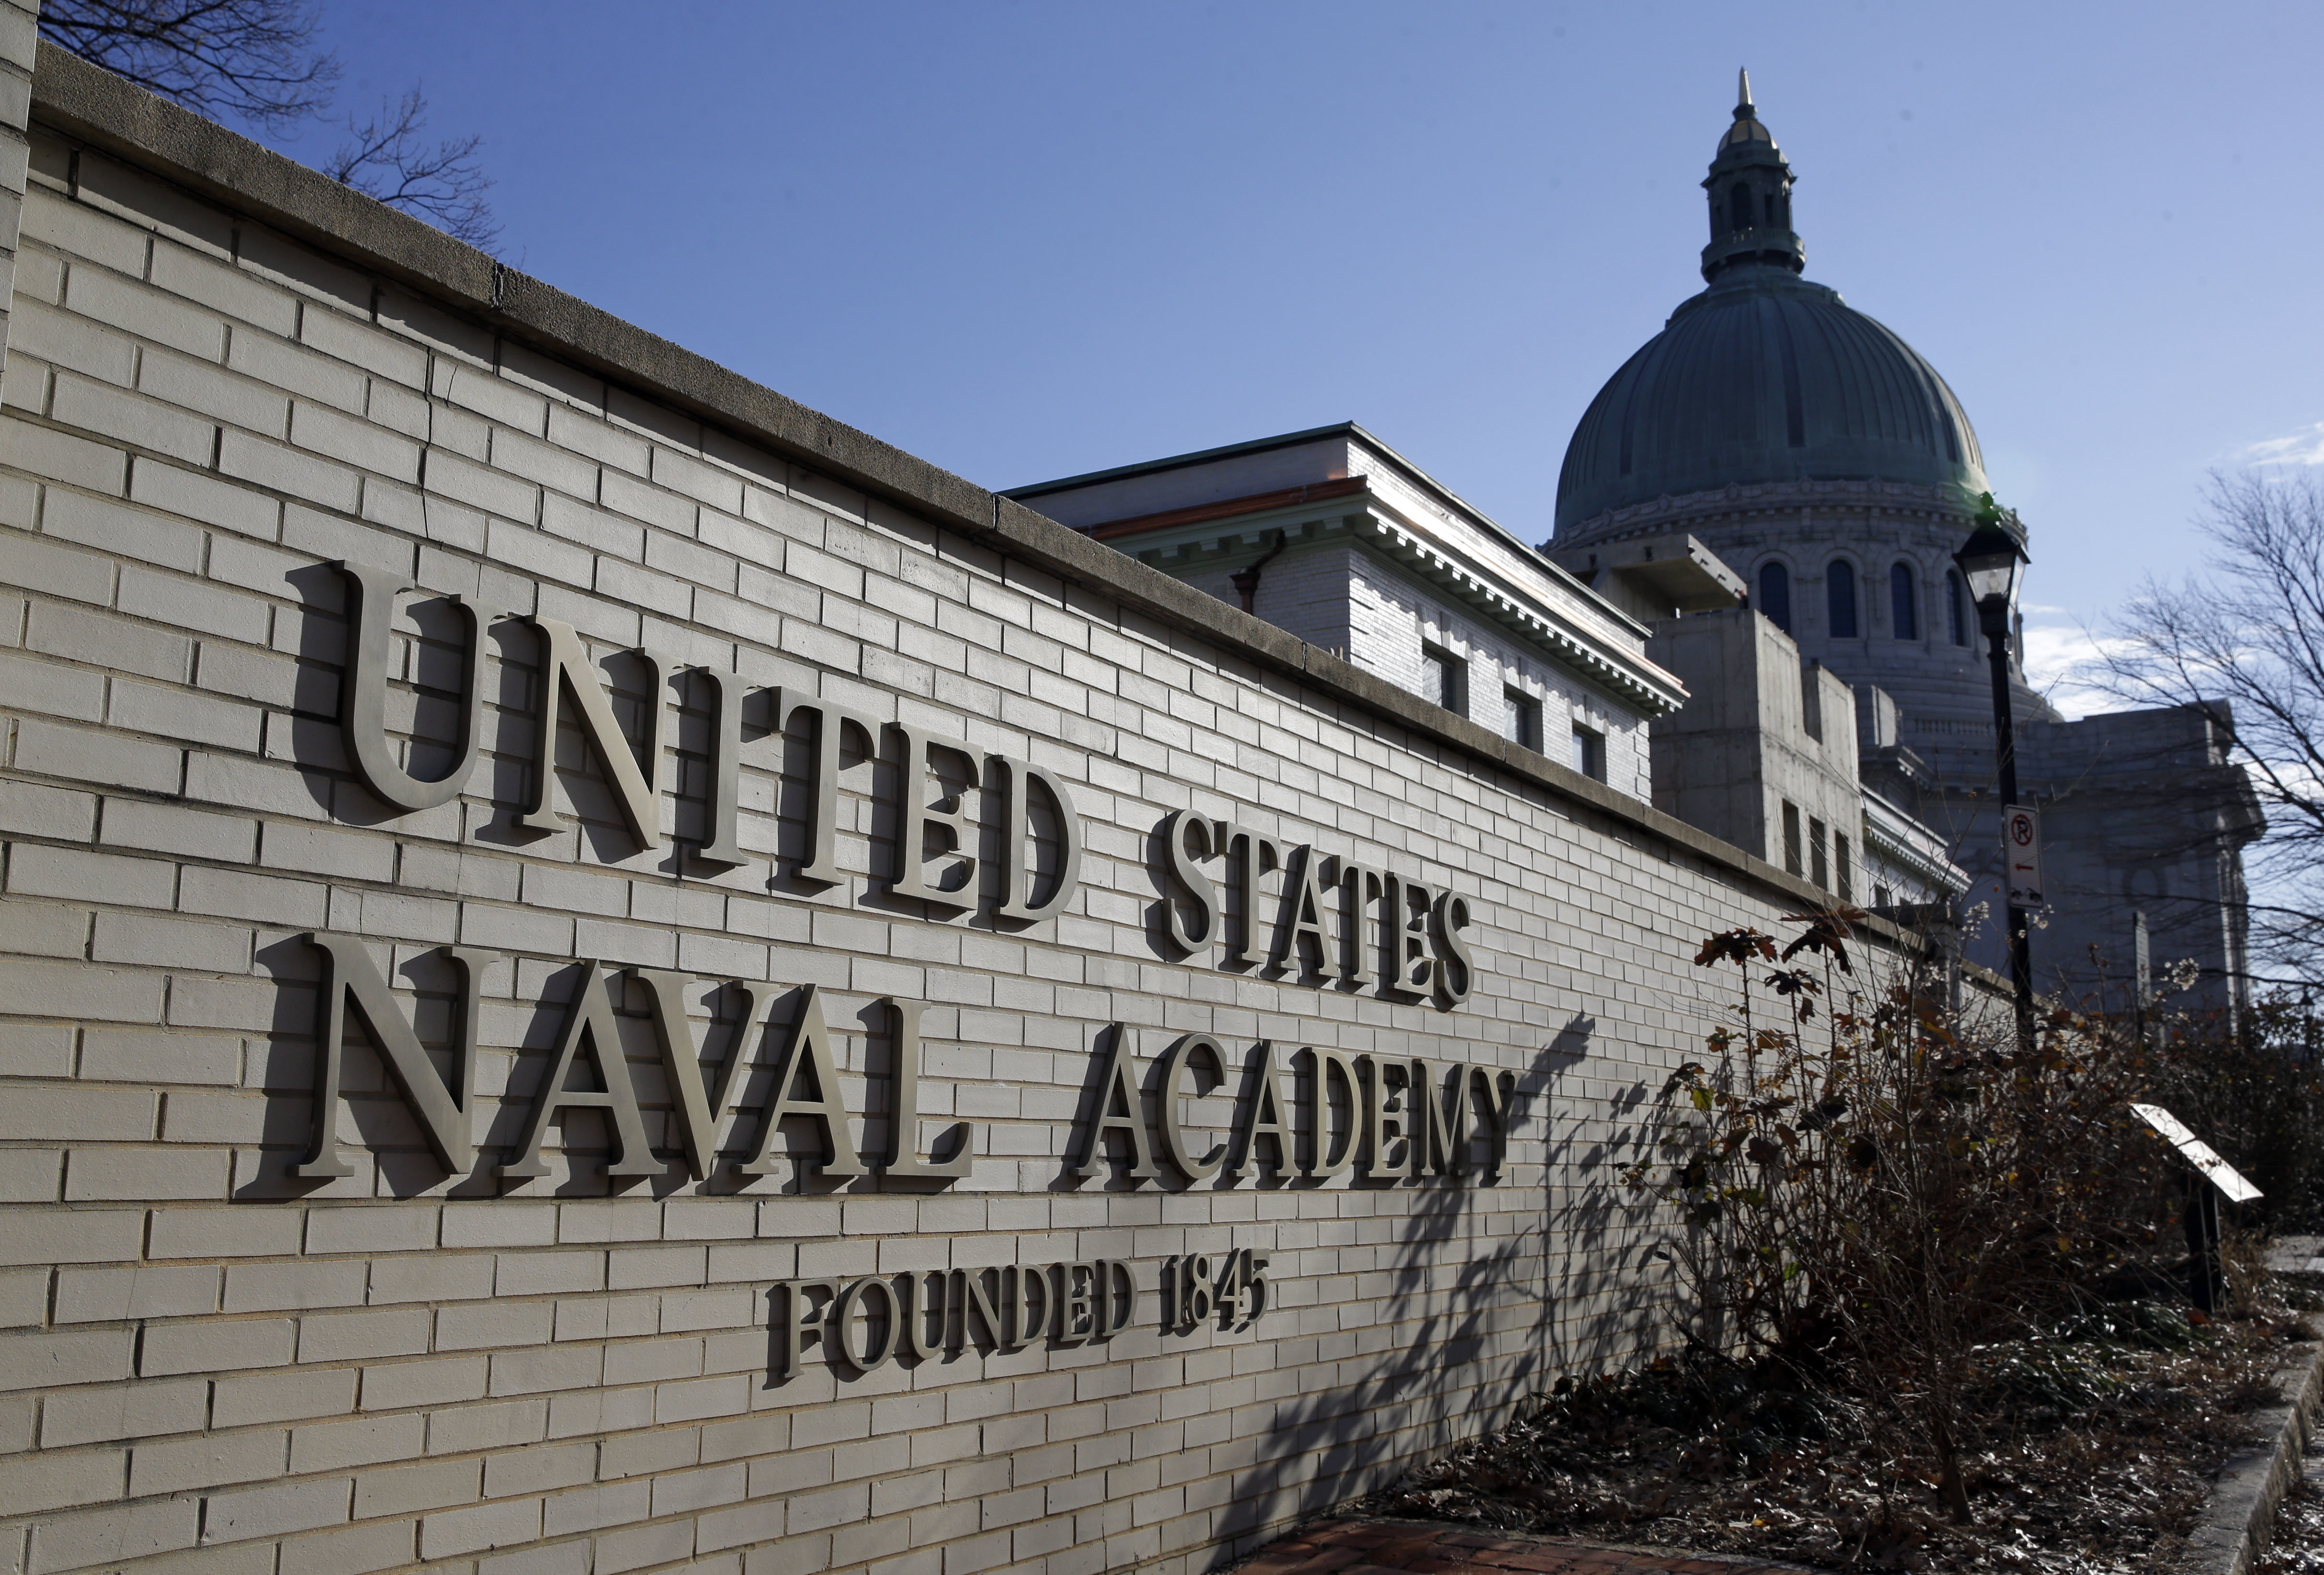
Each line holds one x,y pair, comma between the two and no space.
1524,548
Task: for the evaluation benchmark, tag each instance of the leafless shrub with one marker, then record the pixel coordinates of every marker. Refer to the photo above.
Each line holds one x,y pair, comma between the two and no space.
1875,1186
2251,1084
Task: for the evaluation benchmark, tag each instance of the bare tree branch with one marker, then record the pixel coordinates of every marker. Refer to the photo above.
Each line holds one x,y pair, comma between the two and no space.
2247,643
255,61
442,183
246,60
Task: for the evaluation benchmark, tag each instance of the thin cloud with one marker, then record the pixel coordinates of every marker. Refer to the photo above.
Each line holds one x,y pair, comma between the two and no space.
2305,446
2062,660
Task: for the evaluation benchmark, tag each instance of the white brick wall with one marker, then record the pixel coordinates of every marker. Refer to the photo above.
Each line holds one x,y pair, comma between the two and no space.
211,1365
19,39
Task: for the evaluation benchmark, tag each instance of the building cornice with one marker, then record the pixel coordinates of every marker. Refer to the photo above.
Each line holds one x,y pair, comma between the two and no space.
1772,501
1346,486
1906,840
1211,544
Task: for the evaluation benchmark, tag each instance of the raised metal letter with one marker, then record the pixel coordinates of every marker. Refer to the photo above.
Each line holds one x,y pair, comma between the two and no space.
566,667
726,770
1456,975
1411,906
363,694
1383,1125
589,1020
831,724
441,1103
1260,854
1362,886
1017,778
699,1111
1189,873
924,1294
1174,1072
1441,1127
841,1316
1499,1090
798,1325
1114,1276
1323,1159
809,1052
1303,915
1119,1110
1262,1117
916,818
904,1121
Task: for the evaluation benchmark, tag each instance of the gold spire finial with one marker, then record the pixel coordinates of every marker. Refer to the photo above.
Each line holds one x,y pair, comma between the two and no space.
1743,109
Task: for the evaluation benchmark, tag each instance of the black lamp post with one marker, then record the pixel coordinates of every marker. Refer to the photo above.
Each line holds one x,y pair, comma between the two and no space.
1991,561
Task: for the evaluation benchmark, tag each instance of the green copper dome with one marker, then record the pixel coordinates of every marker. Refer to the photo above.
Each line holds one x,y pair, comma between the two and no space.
1764,376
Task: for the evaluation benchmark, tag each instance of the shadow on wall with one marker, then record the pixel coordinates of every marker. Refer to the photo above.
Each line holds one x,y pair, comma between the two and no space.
1560,1297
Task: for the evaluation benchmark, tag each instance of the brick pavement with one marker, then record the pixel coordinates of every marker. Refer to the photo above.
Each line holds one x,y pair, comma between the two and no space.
1406,1547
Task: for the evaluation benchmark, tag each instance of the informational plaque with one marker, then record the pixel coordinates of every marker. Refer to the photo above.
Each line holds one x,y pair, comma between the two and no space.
2199,1154
2021,851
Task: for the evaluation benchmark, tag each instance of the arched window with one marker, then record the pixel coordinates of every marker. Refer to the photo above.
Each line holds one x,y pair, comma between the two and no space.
1956,607
1739,208
1839,599
1904,609
1775,595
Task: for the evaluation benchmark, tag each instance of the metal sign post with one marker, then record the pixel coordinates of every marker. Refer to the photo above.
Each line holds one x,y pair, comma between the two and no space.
2141,972
2021,872
2208,1178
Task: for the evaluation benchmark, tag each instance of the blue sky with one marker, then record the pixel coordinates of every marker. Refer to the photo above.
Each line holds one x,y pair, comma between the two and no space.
1026,240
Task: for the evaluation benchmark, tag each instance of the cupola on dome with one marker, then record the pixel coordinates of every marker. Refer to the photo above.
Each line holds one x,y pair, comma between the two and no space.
1764,376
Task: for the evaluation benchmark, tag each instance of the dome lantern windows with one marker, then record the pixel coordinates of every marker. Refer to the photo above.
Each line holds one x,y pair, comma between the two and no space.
1749,190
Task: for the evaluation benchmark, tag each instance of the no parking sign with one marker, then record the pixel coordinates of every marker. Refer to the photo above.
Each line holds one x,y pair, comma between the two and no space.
2020,854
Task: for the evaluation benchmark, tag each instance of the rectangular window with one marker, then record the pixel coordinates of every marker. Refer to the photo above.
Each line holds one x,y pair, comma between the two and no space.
1844,869
1444,679
1589,753
1792,863
1520,718
1819,855
1883,897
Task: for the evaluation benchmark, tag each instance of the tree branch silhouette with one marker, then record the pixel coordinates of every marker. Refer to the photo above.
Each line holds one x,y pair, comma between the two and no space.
2247,643
257,61
248,60
441,182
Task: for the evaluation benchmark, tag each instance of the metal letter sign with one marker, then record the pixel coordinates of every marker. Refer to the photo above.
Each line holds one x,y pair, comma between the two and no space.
2020,851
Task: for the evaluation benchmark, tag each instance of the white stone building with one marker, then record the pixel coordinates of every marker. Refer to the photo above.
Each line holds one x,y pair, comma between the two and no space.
1333,536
